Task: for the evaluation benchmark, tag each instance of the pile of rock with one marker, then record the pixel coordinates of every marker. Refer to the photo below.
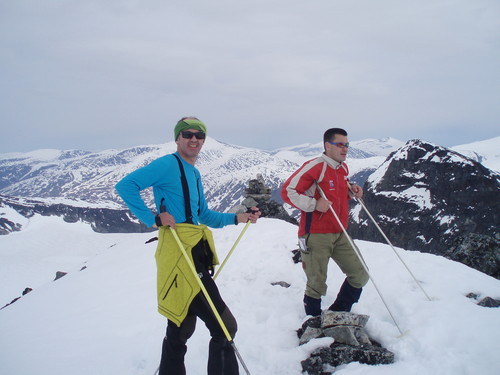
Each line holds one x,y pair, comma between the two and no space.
352,343
259,195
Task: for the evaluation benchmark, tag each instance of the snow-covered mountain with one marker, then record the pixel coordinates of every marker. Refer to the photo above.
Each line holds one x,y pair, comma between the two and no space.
307,151
485,152
432,198
378,147
84,177
91,176
101,318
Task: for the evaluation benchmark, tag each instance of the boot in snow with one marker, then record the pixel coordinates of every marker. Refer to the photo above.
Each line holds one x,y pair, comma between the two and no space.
312,306
348,295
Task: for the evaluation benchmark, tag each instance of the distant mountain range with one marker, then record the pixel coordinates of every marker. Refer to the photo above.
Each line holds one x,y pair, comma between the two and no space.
425,196
81,177
87,179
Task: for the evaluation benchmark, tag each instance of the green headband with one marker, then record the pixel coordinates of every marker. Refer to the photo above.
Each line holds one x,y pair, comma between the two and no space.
189,124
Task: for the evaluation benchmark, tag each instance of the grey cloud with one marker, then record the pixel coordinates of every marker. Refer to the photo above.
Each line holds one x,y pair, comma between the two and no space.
110,74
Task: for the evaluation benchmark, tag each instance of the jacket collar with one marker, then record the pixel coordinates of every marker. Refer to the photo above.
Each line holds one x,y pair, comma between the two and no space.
332,163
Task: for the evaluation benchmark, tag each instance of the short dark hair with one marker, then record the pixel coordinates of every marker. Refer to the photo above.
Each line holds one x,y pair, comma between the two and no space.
330,133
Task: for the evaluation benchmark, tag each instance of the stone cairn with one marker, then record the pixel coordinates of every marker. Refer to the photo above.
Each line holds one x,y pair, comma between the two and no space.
259,195
351,344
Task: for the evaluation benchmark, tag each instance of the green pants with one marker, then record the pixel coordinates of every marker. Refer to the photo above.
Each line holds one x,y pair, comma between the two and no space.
320,248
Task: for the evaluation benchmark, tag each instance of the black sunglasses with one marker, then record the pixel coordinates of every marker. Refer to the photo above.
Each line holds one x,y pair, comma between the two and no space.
188,135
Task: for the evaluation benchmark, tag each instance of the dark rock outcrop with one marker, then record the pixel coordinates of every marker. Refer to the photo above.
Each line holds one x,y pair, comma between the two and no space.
60,274
485,301
341,354
489,302
477,251
7,226
429,198
102,220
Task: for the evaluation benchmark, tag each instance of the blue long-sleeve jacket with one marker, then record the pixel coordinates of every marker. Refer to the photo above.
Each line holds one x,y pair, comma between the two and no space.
164,176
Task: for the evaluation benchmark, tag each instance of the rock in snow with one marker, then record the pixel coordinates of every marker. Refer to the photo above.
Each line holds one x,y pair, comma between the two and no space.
351,344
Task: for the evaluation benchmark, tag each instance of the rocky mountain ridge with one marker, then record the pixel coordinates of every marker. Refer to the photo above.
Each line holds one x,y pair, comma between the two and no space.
429,198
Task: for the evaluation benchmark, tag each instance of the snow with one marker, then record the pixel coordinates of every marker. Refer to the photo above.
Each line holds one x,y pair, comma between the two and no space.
379,147
417,195
62,200
447,219
376,177
41,154
9,213
486,152
103,319
414,176
356,165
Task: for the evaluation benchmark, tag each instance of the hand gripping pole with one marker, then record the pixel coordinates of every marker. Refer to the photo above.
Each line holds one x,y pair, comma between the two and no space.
389,243
358,253
209,300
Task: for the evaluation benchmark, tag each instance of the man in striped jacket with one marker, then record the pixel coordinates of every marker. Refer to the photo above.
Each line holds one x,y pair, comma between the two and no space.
321,235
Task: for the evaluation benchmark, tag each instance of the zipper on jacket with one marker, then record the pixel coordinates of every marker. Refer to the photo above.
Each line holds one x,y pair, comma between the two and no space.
174,281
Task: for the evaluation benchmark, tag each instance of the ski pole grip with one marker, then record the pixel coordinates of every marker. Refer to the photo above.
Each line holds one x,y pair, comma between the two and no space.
251,211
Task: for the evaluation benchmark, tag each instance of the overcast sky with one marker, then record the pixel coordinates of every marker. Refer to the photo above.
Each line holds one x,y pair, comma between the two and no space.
103,74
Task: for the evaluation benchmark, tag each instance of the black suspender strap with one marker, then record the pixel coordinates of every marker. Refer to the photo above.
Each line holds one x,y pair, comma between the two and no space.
185,190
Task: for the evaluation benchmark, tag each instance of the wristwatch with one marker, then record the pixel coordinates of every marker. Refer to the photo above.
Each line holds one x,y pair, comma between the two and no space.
158,221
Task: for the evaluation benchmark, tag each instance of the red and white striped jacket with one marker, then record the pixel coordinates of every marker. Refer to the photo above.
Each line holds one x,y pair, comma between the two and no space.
300,191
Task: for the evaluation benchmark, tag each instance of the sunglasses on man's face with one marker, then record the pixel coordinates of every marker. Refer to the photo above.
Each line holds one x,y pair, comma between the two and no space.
188,135
340,144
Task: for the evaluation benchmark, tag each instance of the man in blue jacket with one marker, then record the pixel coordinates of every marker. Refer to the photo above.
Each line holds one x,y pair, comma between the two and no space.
180,203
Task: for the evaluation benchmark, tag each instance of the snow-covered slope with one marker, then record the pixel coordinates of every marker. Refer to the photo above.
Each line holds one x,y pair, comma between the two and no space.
103,319
378,147
485,152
